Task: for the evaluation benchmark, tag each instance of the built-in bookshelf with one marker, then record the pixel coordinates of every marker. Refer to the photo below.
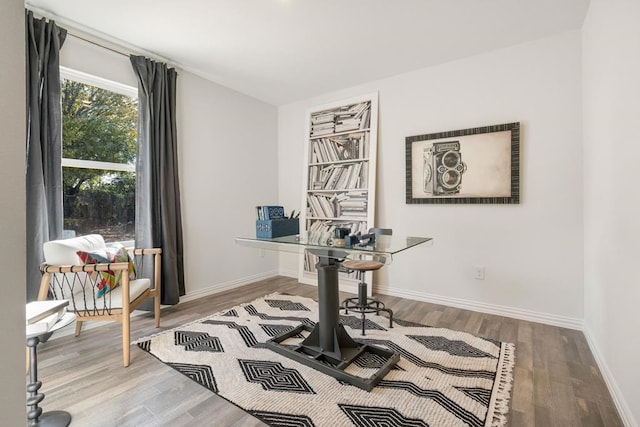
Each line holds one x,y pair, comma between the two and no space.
339,173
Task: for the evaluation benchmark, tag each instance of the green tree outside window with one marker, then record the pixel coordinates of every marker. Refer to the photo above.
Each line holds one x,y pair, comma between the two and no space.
98,125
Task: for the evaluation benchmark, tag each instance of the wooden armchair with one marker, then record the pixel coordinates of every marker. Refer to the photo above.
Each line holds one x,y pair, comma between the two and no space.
66,276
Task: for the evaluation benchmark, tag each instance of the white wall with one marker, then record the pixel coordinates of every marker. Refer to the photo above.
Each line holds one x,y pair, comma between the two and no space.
532,252
228,165
611,64
12,208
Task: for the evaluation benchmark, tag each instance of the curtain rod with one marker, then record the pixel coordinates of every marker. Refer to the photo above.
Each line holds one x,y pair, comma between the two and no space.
98,44
168,63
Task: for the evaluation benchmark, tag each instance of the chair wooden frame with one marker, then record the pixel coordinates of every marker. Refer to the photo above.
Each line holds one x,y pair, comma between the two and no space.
122,315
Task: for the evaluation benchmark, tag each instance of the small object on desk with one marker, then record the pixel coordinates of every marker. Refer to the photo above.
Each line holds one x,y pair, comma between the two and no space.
277,228
38,310
352,240
270,212
367,239
41,316
273,212
43,326
339,235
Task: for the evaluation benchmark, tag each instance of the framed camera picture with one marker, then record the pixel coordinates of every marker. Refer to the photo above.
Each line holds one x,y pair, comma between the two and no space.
476,165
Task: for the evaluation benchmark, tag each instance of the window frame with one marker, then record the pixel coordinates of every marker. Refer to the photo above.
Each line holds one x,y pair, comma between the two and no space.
67,73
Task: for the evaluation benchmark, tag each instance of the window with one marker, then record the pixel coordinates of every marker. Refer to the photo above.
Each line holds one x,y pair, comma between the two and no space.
99,131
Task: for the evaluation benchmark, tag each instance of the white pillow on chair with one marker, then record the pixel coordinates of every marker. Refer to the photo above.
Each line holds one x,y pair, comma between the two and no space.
64,252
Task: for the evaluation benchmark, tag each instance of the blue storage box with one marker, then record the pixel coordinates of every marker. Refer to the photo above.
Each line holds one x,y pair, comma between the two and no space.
269,228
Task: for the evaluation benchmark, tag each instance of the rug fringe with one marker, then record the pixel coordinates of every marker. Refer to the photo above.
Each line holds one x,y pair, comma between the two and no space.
163,331
499,404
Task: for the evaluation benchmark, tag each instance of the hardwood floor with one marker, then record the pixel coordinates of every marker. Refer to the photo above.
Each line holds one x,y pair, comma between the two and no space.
556,379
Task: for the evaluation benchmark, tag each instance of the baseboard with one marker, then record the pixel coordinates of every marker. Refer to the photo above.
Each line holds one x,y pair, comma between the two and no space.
346,286
617,396
289,273
532,316
516,313
225,286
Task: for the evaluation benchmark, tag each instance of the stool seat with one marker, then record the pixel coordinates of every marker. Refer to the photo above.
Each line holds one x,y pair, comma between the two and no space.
362,265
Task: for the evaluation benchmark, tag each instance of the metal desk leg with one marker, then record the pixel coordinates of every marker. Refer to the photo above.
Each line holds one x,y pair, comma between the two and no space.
329,348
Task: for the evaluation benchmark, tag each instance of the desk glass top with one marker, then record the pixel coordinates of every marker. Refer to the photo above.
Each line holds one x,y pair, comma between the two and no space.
384,245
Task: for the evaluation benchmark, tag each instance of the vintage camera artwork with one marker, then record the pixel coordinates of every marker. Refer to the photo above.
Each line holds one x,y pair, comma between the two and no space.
443,168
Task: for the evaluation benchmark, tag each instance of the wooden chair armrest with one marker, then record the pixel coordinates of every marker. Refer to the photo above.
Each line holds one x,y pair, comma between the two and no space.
87,268
50,270
157,261
147,251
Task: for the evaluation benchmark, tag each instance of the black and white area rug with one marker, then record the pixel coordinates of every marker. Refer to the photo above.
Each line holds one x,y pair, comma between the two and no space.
443,378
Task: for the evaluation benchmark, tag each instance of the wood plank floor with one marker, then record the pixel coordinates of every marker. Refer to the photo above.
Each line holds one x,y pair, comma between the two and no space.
556,379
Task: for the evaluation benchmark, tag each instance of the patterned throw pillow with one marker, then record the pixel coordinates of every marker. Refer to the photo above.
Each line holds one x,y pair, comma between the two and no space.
108,280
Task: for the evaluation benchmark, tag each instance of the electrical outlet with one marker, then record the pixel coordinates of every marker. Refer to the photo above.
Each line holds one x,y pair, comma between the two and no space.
478,272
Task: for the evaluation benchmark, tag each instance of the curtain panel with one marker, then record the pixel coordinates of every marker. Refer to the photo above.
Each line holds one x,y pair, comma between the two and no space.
158,212
44,142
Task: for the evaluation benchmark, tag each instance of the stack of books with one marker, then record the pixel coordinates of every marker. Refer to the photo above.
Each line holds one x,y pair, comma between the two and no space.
322,124
270,212
352,204
341,119
42,315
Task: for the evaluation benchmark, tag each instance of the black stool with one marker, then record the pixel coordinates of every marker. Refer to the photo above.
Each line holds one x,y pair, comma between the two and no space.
362,303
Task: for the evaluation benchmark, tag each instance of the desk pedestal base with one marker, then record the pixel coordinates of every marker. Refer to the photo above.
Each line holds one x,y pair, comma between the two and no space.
334,363
35,416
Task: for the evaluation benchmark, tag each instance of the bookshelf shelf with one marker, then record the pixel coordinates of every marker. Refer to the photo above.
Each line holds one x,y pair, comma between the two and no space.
343,190
343,218
339,173
330,135
338,162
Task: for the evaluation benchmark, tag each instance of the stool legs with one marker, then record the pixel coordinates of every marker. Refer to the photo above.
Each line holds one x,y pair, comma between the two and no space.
363,304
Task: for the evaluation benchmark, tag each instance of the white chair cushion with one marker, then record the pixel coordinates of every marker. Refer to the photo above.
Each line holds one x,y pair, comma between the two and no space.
111,300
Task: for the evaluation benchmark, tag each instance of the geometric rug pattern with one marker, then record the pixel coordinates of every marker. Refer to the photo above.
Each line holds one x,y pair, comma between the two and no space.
443,377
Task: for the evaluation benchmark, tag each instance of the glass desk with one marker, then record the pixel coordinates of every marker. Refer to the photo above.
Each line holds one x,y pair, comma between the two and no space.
329,348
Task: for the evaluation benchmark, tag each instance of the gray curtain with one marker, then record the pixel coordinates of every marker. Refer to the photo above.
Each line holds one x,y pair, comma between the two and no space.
158,216
44,142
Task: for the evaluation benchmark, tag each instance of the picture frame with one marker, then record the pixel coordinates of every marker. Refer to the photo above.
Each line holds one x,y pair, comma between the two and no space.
468,166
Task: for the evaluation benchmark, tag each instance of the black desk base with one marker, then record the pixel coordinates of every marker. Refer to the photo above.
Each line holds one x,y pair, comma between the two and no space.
329,348
334,363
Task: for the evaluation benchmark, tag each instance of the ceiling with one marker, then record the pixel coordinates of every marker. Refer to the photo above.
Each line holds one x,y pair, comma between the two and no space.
281,51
